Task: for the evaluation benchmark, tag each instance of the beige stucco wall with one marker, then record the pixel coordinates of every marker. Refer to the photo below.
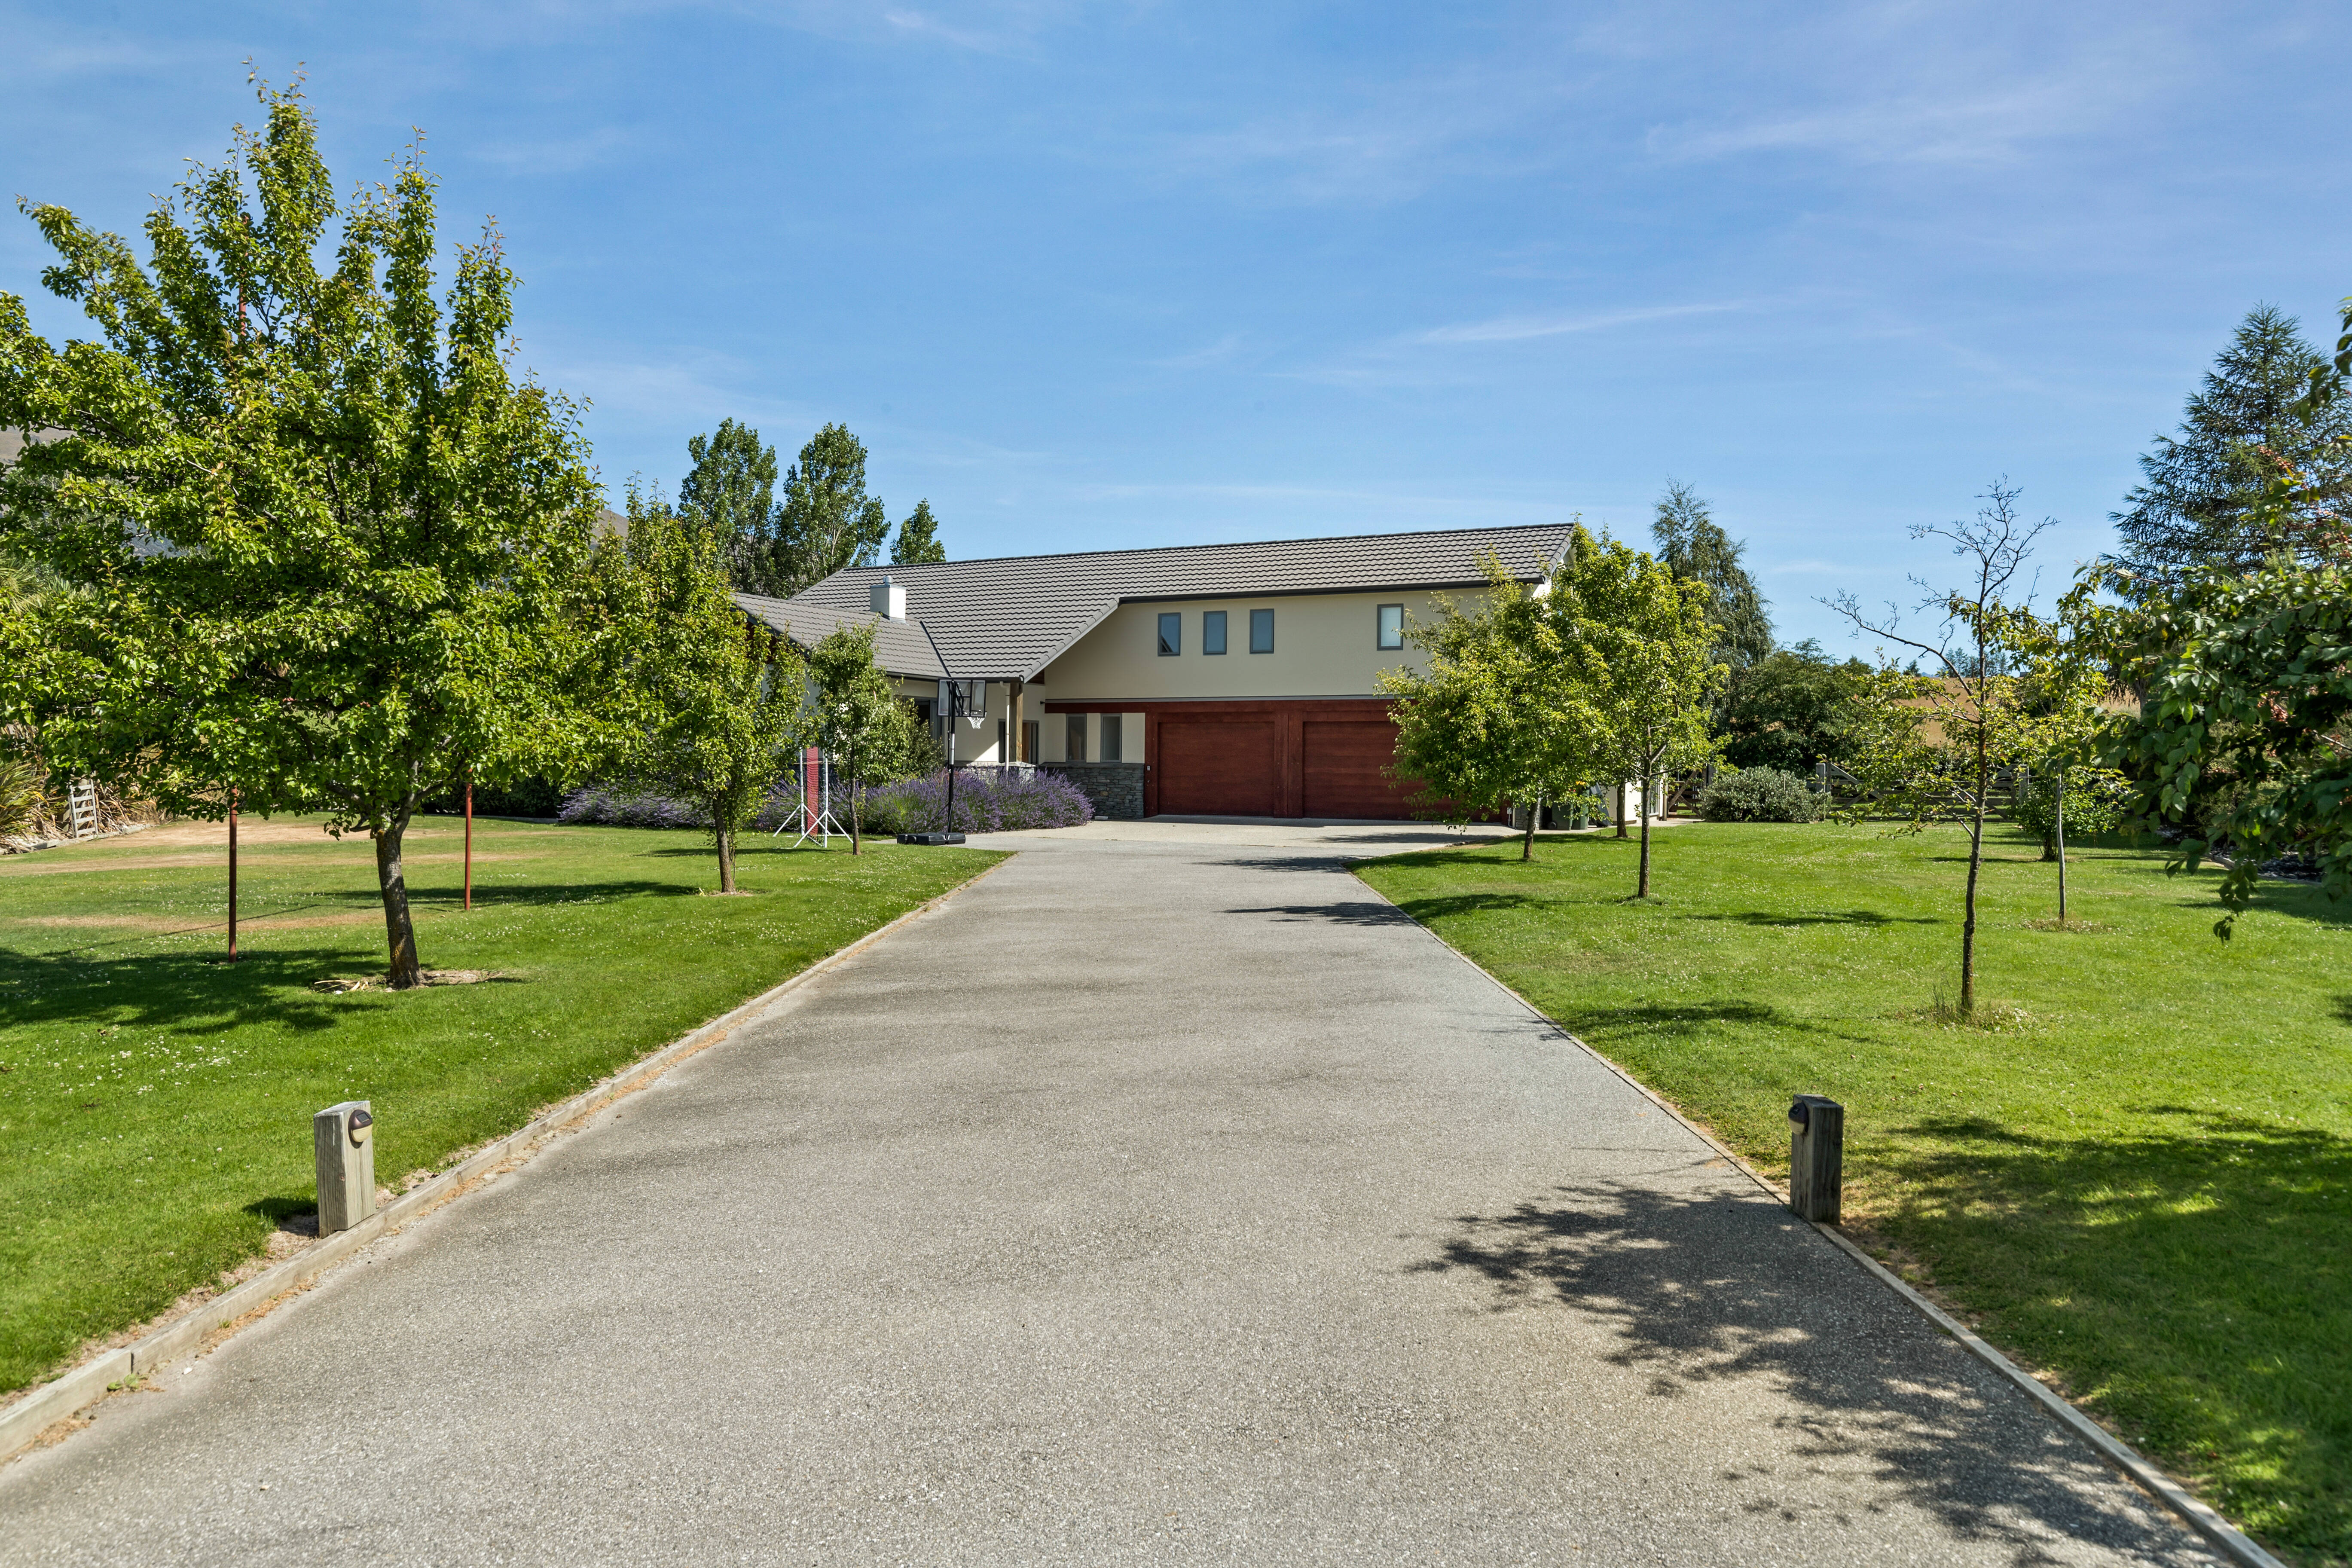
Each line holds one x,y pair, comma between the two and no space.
1325,644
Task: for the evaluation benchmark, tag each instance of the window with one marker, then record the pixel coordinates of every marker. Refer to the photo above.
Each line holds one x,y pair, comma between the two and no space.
1028,741
1213,631
1171,637
1262,631
1078,743
1110,739
1391,624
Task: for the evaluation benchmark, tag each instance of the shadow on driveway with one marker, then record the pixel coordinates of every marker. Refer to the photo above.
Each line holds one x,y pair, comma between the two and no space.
1698,1292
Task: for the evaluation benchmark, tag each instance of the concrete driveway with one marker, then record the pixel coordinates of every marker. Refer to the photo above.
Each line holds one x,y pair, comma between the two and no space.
1164,1199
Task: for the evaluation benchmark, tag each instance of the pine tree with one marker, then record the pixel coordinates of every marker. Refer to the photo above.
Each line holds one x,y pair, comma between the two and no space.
1694,548
2201,499
729,497
918,543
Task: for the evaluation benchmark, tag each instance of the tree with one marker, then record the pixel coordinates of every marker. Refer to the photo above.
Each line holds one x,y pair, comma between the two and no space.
1789,710
918,543
1927,745
871,734
2243,737
2206,496
1695,550
1496,718
729,494
827,520
1640,643
333,545
712,700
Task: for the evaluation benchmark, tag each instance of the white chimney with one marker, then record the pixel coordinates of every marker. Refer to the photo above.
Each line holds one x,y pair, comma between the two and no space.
889,599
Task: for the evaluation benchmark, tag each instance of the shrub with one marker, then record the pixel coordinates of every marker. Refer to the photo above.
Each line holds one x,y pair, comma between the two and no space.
1758,794
986,801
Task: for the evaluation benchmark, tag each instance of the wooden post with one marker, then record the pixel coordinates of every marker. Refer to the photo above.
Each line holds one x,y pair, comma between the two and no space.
1816,1157
2061,848
1013,724
343,1138
232,875
470,843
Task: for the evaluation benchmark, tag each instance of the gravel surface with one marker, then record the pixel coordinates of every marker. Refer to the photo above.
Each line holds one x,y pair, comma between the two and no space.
1154,1200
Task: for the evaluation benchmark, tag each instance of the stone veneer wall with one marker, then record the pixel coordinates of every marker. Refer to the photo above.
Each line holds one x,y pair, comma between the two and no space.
1116,788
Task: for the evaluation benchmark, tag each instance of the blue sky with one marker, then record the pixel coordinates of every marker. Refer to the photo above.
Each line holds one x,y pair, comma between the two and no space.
1092,277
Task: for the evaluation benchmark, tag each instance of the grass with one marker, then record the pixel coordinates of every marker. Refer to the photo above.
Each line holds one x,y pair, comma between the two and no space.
155,1103
2139,1178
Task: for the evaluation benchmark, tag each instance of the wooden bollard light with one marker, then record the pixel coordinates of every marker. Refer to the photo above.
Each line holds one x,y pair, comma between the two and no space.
1816,1157
345,1139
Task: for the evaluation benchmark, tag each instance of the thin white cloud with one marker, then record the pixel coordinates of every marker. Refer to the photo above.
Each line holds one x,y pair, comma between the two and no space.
559,155
1519,328
1223,351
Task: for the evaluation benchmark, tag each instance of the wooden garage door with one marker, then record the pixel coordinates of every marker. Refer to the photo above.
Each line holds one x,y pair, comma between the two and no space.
1219,767
1344,759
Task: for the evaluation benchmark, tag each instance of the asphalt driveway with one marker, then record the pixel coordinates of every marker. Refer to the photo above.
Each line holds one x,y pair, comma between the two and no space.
1165,1198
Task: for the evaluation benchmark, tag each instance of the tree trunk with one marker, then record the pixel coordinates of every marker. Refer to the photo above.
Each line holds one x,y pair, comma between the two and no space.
1619,812
1975,859
857,818
1645,891
726,836
399,930
1527,844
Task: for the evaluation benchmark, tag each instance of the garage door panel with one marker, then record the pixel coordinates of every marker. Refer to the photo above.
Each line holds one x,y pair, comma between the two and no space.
1344,759
1212,767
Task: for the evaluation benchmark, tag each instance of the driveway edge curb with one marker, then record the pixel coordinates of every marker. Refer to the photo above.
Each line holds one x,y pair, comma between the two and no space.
2218,1532
202,1327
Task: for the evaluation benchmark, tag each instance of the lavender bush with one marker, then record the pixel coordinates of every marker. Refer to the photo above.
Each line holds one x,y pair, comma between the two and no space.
986,801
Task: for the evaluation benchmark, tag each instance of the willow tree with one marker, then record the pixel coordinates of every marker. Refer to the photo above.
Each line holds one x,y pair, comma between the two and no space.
330,540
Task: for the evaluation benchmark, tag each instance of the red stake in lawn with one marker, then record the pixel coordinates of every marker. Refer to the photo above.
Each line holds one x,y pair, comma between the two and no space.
470,843
232,876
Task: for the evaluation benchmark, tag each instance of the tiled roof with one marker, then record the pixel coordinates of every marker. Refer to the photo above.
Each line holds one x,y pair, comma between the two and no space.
1010,617
900,647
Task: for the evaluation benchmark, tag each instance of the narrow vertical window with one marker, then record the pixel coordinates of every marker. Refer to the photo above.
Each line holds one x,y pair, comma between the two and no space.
1112,748
1028,741
1261,631
1171,637
1077,748
1213,631
1392,625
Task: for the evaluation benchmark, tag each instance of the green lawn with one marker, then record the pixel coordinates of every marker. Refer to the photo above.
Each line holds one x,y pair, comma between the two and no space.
155,1103
2145,1185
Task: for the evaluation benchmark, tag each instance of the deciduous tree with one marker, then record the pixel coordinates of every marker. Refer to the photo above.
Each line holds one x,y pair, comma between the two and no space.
730,495
1496,718
918,543
712,703
1640,644
871,734
1928,744
333,541
827,520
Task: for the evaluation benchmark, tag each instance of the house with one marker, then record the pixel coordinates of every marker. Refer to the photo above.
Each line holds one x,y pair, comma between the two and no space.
1208,680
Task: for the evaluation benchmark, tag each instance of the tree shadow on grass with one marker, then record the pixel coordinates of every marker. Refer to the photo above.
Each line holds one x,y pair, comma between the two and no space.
1820,918
1708,1295
2195,1267
1603,1025
193,993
